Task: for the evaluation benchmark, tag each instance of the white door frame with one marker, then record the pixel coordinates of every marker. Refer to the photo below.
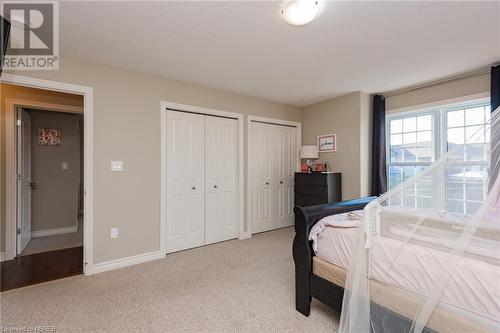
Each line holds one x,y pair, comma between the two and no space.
272,121
166,105
88,106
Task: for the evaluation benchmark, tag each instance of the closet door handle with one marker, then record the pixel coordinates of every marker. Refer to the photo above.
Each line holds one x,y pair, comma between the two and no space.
281,182
267,183
215,186
193,188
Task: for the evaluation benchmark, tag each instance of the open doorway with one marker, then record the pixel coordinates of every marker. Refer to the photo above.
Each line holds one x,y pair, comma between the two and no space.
50,181
45,204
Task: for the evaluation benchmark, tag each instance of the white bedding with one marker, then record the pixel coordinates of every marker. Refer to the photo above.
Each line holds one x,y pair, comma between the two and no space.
336,245
475,286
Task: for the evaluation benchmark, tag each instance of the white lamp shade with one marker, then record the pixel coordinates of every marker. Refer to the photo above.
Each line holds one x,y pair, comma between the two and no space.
309,151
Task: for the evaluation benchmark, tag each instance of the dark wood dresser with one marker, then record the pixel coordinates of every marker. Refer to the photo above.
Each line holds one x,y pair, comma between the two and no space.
317,188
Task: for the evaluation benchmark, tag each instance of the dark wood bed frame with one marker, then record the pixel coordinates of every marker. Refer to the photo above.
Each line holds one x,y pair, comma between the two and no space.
308,285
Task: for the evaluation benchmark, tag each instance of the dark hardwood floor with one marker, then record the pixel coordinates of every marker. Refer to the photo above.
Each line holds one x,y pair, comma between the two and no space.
40,267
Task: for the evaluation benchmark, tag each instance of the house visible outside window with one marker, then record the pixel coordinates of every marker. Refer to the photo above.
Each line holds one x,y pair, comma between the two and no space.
416,139
467,137
411,148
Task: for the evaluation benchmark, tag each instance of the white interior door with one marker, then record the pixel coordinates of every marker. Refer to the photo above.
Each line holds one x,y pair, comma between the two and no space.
261,177
274,159
221,174
185,181
278,175
289,166
24,180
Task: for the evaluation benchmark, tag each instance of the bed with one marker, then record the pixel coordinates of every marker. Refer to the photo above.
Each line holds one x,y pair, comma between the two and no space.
322,274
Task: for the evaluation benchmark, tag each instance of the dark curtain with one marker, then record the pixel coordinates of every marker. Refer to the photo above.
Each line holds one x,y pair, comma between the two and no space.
495,127
495,87
379,169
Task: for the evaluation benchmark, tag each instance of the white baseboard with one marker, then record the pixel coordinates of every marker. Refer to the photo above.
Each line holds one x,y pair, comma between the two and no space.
8,254
245,235
124,262
52,232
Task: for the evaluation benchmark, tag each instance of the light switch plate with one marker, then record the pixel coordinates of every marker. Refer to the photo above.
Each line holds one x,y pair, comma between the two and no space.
116,165
64,165
114,233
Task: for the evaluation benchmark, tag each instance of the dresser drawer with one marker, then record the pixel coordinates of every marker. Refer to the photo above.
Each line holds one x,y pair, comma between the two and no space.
317,188
320,190
317,179
308,200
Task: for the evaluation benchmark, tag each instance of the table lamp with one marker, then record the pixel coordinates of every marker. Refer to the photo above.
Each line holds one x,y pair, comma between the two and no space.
309,152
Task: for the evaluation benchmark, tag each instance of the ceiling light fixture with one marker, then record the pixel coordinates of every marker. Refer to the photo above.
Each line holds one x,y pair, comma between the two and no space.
300,12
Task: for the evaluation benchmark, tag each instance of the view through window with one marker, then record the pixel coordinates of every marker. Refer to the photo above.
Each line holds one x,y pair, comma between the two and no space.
416,139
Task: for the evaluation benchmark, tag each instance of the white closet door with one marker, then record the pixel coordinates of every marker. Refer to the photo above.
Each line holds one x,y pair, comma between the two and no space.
274,159
291,158
278,181
261,177
221,168
185,181
286,160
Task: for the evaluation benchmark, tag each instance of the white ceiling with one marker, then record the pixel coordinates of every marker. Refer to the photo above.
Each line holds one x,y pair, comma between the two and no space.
245,47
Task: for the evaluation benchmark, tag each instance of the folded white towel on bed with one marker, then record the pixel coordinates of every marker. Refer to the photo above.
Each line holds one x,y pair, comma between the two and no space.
344,220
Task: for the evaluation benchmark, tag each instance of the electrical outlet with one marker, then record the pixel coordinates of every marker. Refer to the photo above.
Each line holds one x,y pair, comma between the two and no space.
114,233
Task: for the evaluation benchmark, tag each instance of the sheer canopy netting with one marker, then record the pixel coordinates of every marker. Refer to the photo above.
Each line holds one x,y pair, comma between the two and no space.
428,259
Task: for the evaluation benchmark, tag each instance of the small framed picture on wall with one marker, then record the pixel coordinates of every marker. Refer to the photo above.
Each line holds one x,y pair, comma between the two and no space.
327,143
49,136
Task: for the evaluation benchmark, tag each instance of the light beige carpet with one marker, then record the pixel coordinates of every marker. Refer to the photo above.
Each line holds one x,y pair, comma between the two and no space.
235,286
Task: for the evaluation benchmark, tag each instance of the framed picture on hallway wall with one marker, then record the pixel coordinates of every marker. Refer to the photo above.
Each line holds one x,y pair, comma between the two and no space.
49,136
327,143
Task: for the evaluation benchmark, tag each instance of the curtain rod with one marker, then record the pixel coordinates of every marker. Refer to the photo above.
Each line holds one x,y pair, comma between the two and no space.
467,75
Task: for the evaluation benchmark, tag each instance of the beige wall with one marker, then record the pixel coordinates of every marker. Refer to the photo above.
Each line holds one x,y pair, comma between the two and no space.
54,202
436,93
127,128
10,92
348,117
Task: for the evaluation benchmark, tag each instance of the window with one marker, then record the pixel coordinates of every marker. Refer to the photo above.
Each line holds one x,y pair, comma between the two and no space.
411,148
467,140
415,140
